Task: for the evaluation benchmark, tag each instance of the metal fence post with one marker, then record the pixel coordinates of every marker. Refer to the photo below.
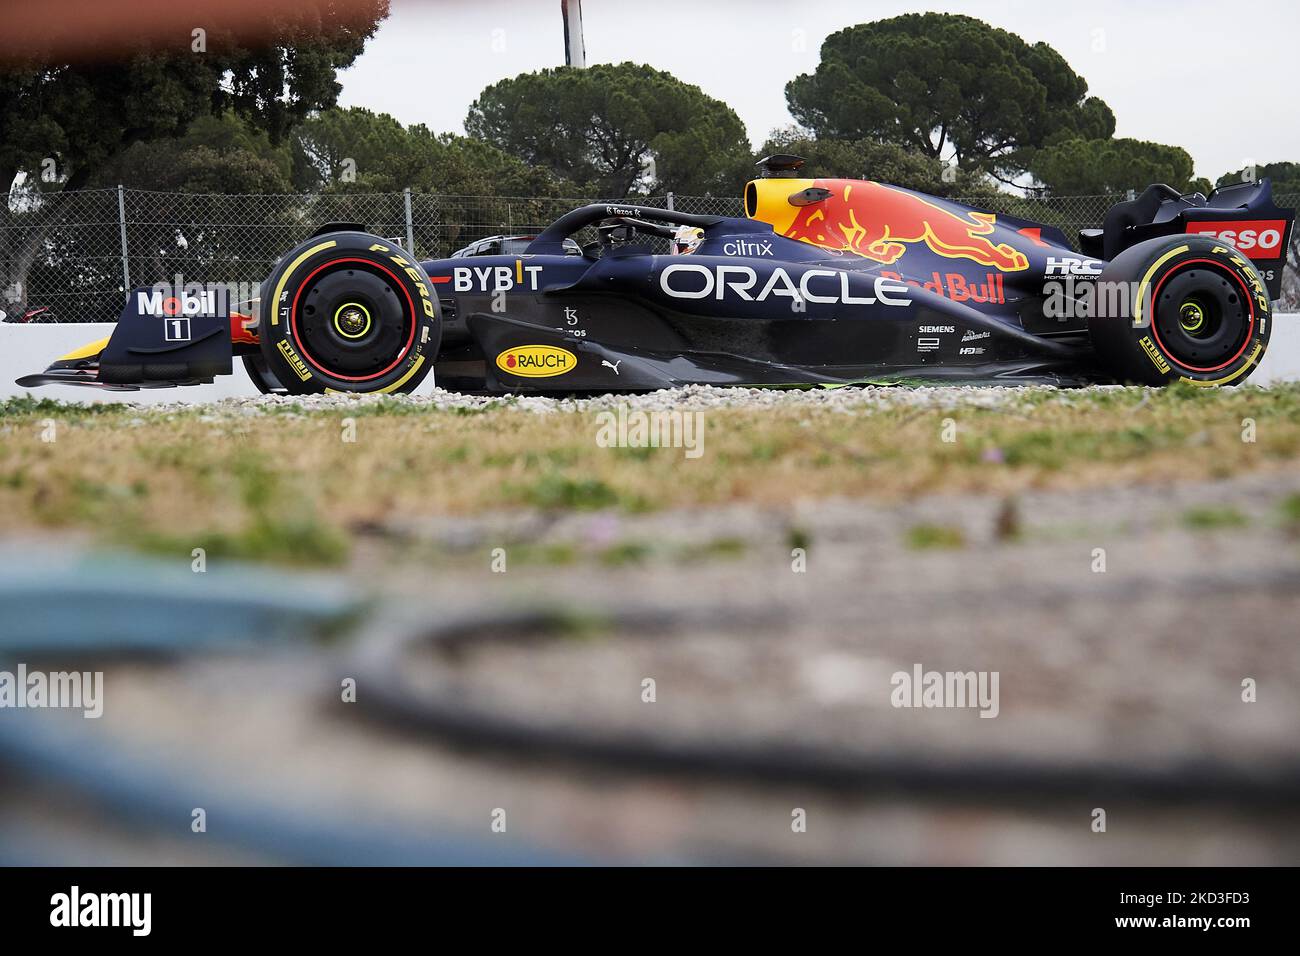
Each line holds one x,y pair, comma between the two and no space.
670,202
410,226
121,222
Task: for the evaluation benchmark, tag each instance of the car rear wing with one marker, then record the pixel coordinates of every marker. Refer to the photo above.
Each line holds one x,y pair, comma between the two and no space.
1243,215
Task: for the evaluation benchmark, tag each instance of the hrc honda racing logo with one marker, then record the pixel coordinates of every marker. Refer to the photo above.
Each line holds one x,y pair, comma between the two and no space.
689,280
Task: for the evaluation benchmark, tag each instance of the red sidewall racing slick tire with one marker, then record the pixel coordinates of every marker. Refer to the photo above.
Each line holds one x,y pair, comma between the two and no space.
1181,308
348,312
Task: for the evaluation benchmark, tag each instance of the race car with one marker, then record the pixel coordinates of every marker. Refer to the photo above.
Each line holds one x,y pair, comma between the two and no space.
824,282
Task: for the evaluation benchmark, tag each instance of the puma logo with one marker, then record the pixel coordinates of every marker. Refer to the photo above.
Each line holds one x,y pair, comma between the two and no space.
614,365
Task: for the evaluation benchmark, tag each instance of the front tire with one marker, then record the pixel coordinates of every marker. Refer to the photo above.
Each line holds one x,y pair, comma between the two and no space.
261,377
348,312
1181,308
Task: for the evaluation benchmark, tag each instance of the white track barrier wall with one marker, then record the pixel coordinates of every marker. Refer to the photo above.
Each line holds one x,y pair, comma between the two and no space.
25,349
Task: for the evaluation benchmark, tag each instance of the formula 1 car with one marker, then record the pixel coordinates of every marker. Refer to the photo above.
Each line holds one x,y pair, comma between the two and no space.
824,282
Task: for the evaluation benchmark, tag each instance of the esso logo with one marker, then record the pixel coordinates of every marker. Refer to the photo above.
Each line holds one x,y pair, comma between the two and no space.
1259,238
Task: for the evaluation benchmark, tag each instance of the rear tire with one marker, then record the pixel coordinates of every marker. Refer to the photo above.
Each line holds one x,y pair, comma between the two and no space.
1194,310
348,312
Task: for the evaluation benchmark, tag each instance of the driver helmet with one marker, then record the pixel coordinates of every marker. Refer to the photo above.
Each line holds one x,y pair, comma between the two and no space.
687,239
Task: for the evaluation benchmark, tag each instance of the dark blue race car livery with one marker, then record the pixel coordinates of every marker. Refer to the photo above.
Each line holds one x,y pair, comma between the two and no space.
824,282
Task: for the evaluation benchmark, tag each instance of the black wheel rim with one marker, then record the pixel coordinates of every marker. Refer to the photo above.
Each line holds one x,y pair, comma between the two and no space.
351,321
1202,318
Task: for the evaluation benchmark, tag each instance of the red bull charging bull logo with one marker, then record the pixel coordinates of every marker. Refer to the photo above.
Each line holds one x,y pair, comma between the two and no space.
879,222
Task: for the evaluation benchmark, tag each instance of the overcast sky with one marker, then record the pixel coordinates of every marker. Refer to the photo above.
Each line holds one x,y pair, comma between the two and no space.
1214,78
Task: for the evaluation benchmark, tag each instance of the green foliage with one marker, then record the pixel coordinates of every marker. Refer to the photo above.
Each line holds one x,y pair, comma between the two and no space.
926,537
216,154
798,538
1090,167
1210,517
1285,176
880,162
86,114
625,552
555,490
944,84
338,143
616,129
299,541
1290,510
356,150
28,406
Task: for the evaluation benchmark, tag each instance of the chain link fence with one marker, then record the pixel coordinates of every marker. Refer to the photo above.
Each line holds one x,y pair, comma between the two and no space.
68,257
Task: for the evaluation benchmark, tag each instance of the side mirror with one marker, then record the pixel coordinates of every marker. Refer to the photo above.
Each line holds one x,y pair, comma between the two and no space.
617,232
